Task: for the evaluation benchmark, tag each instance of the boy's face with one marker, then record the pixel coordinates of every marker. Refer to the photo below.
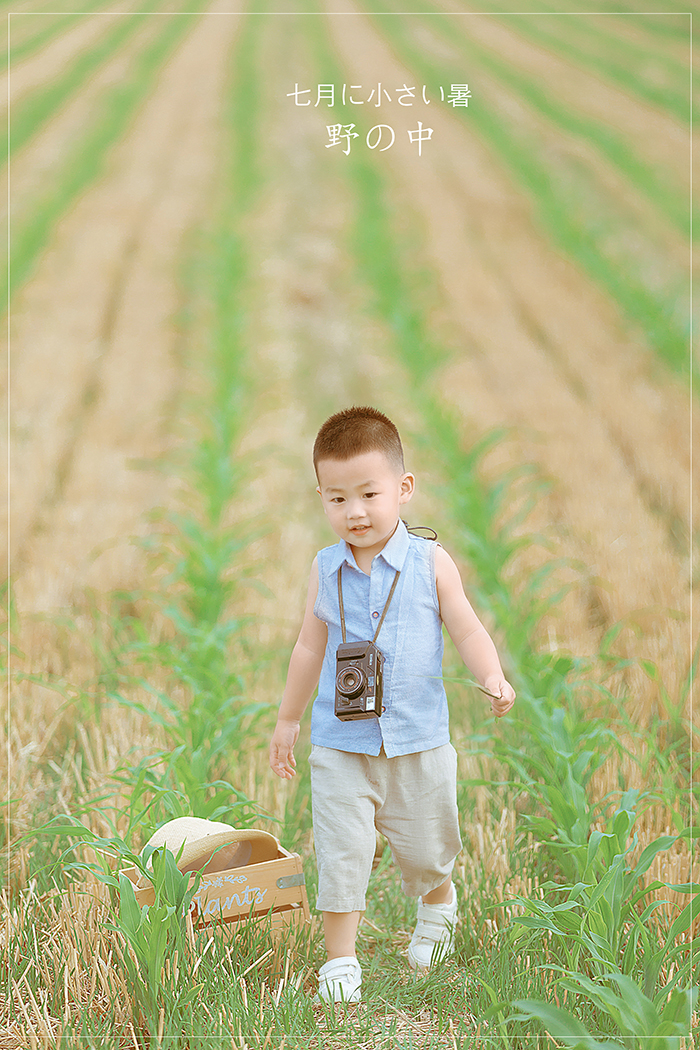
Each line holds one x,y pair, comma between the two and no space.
361,498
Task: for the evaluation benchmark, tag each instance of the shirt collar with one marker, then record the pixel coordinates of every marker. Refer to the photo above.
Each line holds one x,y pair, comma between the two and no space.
394,552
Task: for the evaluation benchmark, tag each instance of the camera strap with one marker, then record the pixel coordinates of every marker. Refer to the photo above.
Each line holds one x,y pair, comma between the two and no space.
342,610
417,530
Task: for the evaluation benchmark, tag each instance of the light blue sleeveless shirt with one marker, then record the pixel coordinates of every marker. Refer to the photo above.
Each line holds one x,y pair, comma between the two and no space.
415,714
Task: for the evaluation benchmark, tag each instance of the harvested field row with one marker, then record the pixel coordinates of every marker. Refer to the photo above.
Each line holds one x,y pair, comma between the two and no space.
579,201
662,137
41,60
128,230
48,129
655,44
87,151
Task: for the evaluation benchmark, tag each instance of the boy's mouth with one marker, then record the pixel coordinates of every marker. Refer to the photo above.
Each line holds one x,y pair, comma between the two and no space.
360,530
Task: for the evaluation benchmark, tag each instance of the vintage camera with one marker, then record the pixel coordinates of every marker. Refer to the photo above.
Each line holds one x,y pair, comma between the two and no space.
358,681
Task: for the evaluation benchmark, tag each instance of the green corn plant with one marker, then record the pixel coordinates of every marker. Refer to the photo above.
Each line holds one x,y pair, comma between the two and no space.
642,1024
562,1025
553,767
174,787
602,936
667,743
148,936
154,933
600,908
205,733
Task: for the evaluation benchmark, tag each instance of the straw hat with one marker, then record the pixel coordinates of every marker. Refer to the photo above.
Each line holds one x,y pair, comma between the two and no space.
213,846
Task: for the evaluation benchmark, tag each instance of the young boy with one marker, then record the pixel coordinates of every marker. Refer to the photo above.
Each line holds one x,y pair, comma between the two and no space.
395,773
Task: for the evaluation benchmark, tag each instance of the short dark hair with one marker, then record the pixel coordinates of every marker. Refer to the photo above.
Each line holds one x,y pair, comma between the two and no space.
357,430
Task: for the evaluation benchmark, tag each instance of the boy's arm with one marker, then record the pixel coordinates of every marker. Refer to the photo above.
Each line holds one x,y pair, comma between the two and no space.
473,642
302,678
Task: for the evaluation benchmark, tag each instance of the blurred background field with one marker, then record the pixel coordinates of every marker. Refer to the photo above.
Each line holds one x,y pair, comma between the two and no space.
222,226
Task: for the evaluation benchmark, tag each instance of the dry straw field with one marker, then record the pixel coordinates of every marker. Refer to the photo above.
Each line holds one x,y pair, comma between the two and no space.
208,253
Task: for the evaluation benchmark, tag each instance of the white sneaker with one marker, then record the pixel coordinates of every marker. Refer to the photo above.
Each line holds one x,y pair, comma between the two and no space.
434,935
339,980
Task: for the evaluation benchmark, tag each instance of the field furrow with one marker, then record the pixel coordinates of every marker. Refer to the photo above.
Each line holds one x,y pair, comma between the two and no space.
51,58
50,143
122,241
25,31
83,161
663,141
650,58
570,199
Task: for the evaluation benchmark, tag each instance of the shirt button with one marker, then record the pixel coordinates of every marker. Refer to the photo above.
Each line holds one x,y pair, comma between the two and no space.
375,615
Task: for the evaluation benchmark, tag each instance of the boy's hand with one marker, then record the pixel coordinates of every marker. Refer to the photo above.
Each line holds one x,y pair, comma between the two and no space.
503,695
282,760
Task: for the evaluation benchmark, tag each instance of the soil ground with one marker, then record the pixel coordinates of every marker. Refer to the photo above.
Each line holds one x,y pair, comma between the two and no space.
654,134
40,68
85,409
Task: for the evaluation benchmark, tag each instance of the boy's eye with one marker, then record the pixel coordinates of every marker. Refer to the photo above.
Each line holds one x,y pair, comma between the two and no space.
337,499
369,495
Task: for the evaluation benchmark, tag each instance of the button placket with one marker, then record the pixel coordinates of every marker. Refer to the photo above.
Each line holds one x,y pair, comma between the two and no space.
376,582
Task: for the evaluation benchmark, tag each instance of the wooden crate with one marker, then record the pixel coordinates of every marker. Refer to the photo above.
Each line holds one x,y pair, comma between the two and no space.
254,890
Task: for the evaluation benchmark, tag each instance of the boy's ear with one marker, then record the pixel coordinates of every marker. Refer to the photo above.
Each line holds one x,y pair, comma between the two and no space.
408,485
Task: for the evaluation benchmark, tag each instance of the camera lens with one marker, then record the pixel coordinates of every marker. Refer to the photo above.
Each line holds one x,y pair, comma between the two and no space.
350,681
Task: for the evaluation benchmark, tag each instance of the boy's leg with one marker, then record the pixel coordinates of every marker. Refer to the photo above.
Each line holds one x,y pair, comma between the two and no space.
419,818
343,804
340,977
340,932
441,895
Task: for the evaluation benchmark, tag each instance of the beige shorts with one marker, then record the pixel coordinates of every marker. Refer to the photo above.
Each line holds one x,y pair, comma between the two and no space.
410,799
